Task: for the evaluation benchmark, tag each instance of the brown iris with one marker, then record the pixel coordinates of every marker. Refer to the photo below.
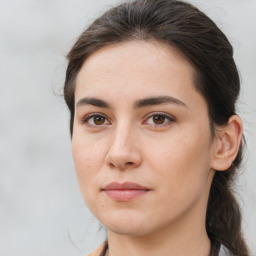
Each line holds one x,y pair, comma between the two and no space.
158,119
99,120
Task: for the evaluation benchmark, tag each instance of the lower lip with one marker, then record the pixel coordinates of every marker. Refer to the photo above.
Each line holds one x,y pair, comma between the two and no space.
125,195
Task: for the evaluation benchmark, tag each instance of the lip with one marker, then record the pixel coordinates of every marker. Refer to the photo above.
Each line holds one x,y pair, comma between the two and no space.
124,192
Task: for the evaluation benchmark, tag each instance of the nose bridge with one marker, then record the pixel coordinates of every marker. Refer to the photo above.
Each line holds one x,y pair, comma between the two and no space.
123,135
123,150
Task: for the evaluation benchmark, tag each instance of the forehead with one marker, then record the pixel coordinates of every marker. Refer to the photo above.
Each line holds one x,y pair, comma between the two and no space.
142,68
139,55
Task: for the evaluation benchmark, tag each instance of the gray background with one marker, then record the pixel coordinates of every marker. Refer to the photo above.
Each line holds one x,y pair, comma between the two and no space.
41,210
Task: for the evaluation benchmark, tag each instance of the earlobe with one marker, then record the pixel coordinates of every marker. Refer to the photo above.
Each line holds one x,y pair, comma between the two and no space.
227,143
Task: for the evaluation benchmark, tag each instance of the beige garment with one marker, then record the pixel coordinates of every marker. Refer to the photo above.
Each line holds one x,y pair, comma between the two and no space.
99,251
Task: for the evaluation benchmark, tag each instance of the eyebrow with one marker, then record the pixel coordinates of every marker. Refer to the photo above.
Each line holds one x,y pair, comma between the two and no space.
150,101
93,101
159,100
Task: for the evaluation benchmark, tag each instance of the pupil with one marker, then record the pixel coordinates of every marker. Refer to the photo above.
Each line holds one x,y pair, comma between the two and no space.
159,119
98,120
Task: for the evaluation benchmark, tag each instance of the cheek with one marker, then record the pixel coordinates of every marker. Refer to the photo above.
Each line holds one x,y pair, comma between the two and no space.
181,169
181,162
82,158
88,158
88,151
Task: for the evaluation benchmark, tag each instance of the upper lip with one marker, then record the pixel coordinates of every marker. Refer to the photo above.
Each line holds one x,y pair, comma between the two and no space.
124,186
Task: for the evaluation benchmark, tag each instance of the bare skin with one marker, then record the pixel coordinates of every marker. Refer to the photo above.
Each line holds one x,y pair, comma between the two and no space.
139,119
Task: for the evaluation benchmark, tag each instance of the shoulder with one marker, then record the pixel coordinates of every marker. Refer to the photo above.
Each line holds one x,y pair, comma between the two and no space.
100,251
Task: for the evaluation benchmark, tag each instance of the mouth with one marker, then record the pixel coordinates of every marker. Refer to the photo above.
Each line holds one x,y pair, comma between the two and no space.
124,192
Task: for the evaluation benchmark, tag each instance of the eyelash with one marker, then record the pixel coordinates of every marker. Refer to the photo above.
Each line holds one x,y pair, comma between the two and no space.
167,119
88,117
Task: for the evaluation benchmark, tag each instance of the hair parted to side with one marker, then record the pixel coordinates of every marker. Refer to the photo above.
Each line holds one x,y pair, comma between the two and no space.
208,50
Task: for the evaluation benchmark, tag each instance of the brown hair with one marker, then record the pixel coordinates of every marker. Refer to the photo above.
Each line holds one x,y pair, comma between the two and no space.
208,50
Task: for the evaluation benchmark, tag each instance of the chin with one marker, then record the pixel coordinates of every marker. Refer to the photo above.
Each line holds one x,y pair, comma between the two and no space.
128,230
126,224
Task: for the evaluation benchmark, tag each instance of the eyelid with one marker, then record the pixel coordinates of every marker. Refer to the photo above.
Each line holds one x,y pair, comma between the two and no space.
170,118
87,117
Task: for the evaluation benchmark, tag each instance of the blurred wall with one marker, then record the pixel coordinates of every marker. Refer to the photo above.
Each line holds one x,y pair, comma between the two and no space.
41,210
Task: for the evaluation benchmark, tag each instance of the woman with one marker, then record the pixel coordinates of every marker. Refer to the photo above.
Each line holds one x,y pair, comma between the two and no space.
151,87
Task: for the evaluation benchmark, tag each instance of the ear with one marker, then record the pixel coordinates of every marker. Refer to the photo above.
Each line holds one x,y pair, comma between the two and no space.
226,144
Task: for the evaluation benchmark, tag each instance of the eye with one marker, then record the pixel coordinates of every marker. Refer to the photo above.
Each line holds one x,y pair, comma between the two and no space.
95,120
159,119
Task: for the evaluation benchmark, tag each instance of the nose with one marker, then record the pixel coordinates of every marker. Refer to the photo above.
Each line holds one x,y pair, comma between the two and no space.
124,150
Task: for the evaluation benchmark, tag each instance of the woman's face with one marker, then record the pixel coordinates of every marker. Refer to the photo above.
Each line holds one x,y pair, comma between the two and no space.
142,144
